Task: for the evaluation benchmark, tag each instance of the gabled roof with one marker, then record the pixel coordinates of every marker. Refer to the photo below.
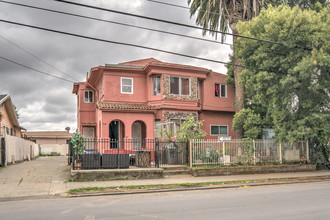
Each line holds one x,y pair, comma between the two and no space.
2,97
6,100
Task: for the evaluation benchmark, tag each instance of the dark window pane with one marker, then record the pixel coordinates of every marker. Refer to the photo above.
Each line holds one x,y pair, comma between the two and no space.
91,96
223,90
185,88
174,85
86,96
223,130
215,130
217,90
127,82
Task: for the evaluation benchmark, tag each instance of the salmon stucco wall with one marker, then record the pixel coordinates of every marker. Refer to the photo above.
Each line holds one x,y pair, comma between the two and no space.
127,118
112,88
217,118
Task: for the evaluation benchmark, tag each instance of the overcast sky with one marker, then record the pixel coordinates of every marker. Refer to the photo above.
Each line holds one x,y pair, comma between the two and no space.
47,103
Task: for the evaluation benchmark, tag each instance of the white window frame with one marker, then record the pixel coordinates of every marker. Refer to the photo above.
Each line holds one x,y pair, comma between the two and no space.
219,130
88,92
221,84
180,87
121,85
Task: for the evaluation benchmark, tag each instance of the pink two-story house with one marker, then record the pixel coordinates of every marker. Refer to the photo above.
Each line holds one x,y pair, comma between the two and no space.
136,99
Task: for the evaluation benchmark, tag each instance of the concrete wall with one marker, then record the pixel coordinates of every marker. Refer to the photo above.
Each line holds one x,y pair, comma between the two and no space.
61,149
55,140
18,149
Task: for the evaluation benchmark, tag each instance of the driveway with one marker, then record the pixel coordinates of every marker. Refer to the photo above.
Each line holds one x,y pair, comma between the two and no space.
44,176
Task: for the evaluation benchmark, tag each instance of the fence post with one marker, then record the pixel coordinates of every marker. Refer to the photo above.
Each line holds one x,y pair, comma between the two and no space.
190,154
187,152
280,152
224,153
254,152
307,151
157,154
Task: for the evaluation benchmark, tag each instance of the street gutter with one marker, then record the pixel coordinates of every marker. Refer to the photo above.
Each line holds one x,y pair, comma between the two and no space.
162,188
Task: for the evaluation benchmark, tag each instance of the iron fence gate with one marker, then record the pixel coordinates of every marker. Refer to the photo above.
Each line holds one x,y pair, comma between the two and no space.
129,153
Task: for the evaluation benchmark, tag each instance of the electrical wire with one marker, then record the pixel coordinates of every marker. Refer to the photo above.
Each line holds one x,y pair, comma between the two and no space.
172,22
38,58
120,43
27,67
123,24
114,22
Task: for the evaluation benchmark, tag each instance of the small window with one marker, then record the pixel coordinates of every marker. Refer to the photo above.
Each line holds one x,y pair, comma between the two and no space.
220,90
219,130
174,85
89,97
127,85
156,85
179,86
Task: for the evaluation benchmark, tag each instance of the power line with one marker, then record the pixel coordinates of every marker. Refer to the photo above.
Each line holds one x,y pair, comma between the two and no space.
22,65
114,22
37,57
216,13
123,24
121,43
170,22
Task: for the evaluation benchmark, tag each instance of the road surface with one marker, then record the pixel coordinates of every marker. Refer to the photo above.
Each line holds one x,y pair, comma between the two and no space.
291,201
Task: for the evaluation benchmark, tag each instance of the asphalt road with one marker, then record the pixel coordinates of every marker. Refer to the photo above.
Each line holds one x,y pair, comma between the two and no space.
292,201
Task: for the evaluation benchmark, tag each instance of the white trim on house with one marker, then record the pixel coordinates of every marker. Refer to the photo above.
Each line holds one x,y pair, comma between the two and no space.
121,85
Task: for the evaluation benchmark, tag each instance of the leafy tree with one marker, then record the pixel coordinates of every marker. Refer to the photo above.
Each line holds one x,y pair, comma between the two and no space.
220,15
250,122
191,129
290,87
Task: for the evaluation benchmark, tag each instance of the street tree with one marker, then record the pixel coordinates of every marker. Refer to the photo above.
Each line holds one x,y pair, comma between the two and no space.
219,15
289,88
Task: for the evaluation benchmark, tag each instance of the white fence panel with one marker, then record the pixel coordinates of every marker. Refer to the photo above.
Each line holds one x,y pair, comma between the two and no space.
18,149
213,152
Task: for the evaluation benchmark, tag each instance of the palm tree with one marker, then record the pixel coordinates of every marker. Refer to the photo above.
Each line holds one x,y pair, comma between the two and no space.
218,15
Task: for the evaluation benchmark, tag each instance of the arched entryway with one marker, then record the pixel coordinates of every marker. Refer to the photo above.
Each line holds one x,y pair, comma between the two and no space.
116,132
139,134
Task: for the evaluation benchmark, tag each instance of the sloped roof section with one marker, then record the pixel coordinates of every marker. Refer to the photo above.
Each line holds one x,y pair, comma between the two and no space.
132,106
48,133
6,100
2,97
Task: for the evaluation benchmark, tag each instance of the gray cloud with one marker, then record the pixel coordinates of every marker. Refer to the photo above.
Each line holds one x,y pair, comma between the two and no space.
46,103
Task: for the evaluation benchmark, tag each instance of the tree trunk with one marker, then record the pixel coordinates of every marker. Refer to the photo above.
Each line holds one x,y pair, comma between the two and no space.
239,88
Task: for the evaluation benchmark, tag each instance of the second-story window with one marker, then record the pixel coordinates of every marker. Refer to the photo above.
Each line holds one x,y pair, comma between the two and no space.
221,90
126,85
179,86
156,85
89,97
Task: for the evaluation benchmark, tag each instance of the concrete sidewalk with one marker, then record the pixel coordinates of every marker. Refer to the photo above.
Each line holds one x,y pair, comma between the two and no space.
47,177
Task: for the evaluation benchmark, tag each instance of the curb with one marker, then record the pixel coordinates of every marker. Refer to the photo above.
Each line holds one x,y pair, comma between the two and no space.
199,188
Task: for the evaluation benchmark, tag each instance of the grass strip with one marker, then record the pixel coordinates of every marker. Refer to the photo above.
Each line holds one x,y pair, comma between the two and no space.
178,185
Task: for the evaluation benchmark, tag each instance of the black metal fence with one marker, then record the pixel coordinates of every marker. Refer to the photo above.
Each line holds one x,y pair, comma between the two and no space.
129,153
